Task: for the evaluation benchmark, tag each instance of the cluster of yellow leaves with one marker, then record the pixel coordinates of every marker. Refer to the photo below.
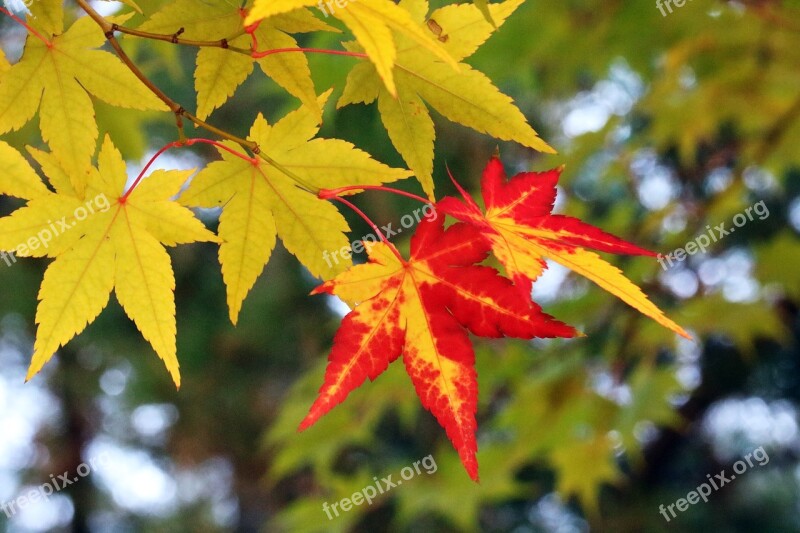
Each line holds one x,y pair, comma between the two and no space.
410,60
220,72
465,96
415,61
373,23
118,245
409,52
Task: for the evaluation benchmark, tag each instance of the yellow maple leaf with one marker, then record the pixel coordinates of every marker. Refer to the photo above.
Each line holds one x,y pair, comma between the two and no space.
102,241
19,179
47,16
57,78
261,202
466,96
372,23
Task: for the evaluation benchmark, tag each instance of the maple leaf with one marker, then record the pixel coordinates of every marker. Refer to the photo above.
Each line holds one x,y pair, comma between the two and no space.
372,23
19,179
219,71
466,96
522,232
110,241
260,201
58,79
422,308
37,229
46,15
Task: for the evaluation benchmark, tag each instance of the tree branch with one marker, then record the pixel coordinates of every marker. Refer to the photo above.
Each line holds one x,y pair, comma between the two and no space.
176,39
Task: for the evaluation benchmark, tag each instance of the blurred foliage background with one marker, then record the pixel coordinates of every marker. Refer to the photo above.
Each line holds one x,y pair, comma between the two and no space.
667,124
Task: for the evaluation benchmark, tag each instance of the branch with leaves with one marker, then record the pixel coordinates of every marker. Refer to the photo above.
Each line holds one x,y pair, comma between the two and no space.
282,181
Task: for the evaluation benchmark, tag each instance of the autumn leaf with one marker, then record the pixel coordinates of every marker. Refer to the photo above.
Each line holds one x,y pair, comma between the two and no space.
19,179
522,232
46,214
261,202
423,308
372,23
465,96
106,241
58,80
47,16
220,71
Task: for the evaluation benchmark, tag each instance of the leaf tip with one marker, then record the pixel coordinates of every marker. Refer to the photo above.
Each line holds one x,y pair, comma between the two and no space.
307,422
325,288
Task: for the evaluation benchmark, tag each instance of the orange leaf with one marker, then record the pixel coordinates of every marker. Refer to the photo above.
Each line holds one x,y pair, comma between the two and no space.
423,309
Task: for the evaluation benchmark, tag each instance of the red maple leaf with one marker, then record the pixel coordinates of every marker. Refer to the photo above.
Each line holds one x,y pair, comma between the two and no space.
422,309
522,231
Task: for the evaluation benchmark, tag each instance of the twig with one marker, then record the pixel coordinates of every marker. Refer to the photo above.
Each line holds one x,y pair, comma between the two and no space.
176,39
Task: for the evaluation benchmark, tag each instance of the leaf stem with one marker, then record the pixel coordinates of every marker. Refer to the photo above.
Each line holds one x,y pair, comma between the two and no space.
177,144
265,53
27,27
330,193
251,30
152,160
176,39
374,226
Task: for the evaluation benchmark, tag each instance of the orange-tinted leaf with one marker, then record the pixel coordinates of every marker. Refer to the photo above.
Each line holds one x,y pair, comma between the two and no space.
423,309
522,232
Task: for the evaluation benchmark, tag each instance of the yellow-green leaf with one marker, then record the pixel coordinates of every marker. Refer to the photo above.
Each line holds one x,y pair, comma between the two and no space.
261,201
18,178
220,71
372,23
55,79
111,241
